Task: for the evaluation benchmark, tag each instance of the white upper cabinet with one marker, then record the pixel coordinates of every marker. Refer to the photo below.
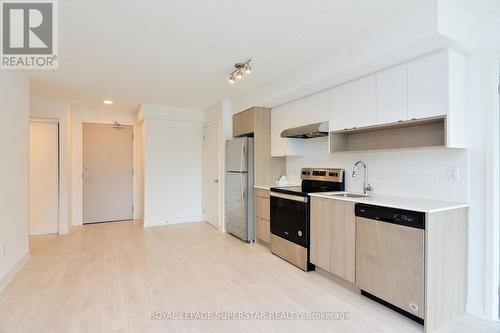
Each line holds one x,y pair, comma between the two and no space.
363,102
431,86
316,108
428,86
304,111
280,119
340,108
392,95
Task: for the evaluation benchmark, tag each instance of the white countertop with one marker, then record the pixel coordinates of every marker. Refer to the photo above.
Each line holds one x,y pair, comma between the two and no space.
415,204
263,187
268,187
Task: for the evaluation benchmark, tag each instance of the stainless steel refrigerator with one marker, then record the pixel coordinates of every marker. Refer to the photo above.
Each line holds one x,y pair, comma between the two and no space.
239,188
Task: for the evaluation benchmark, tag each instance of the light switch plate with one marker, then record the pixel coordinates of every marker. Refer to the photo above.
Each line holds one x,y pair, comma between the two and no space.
2,251
452,174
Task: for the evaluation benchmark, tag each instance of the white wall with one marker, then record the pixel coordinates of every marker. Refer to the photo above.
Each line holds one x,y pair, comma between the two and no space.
79,116
484,184
172,171
59,108
173,164
14,207
221,113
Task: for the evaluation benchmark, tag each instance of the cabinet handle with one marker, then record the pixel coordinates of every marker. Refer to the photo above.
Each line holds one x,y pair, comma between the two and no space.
345,129
400,121
354,128
413,118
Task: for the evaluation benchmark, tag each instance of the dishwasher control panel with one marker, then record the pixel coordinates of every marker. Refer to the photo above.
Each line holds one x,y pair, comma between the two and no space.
391,215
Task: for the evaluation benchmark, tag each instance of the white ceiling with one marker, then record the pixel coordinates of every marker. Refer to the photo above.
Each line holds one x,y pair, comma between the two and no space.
179,52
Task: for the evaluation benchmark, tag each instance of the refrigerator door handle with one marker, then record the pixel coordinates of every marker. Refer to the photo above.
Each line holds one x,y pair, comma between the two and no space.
242,191
242,155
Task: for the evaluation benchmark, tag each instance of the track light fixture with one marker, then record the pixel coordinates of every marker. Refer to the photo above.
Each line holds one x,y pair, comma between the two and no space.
241,68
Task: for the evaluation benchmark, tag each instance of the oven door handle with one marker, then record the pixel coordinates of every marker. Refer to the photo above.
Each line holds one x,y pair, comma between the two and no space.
289,197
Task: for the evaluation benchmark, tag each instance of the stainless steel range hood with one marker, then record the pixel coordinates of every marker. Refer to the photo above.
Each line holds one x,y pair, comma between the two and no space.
307,132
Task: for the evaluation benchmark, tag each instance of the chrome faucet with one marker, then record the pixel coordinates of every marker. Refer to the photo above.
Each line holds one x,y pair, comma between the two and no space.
366,186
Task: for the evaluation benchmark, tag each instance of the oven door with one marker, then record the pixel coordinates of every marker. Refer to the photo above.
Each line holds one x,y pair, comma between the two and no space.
290,218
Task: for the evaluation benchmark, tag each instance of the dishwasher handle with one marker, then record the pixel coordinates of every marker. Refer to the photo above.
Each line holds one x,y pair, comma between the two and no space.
402,217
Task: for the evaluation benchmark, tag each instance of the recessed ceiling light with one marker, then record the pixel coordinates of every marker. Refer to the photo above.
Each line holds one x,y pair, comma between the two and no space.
107,101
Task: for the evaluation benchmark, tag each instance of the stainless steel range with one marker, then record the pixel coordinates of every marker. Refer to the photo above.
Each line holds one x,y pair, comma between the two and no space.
290,208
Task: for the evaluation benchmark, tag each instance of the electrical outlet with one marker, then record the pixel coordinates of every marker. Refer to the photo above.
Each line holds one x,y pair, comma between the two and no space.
2,251
452,174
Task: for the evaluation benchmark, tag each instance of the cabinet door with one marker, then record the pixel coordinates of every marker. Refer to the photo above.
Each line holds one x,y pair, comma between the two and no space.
322,211
392,95
427,86
315,108
363,102
343,240
279,121
263,230
340,108
249,121
236,125
261,214
244,123
262,207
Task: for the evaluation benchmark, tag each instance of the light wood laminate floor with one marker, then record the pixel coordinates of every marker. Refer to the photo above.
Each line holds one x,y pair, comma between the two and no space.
109,277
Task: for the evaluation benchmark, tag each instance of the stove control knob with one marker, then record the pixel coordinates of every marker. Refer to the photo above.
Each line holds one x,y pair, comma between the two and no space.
299,233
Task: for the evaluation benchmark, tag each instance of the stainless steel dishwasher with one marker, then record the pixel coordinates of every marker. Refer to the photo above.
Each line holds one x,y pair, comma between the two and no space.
390,258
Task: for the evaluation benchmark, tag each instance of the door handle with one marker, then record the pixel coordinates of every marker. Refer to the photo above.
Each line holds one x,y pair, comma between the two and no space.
242,192
216,181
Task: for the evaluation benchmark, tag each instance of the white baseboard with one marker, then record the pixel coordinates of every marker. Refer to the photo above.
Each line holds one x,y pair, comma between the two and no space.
175,221
4,282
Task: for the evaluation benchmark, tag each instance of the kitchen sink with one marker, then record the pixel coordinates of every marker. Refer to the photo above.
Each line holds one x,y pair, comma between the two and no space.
350,195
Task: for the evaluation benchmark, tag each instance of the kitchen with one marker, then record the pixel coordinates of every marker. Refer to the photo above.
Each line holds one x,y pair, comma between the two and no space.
406,252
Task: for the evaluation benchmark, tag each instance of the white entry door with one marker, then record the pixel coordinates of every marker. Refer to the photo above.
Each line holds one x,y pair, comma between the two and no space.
44,177
107,173
212,174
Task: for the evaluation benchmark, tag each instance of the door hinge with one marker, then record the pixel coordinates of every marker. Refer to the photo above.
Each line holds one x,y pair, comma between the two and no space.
133,209
133,137
133,173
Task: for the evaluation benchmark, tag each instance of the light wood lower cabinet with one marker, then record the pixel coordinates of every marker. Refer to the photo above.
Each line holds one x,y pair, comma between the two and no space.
263,230
262,215
333,237
322,211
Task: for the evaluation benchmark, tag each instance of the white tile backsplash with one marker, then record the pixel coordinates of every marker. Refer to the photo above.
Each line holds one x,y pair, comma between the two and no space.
415,173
